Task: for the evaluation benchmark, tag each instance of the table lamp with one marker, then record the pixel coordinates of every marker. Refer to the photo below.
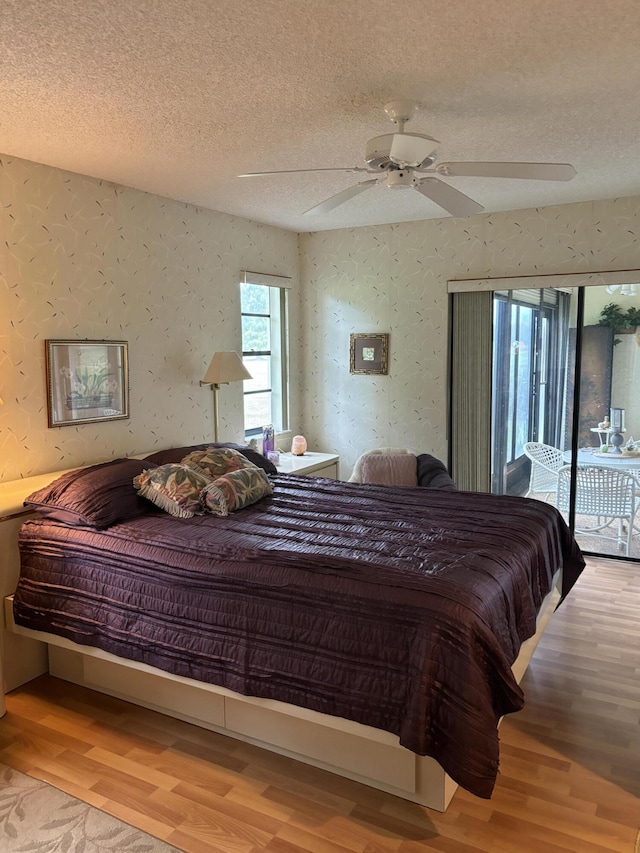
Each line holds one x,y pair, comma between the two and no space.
224,367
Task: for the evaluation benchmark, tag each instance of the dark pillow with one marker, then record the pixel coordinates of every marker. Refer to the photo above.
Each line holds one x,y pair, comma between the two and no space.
98,496
176,454
432,473
255,457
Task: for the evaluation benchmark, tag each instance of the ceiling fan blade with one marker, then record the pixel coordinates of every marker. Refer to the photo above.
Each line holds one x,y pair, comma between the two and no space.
450,199
528,171
299,171
332,202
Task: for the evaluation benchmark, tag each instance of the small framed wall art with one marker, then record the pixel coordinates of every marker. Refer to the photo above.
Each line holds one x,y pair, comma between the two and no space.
369,354
87,381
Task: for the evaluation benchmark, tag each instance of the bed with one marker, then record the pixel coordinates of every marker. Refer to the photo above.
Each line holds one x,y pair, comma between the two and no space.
374,630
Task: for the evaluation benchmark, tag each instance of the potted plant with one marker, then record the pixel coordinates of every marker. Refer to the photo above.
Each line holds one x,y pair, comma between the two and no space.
622,322
633,318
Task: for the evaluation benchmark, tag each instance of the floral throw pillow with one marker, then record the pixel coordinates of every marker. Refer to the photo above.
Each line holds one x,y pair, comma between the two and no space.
216,461
175,488
236,490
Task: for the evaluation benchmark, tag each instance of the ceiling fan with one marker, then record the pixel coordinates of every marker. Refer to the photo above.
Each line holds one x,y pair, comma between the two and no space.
406,160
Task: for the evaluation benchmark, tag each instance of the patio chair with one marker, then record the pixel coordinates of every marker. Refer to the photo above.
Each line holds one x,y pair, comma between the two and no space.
605,495
546,461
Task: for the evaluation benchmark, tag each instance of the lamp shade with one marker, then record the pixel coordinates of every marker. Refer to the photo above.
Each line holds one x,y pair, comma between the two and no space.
225,367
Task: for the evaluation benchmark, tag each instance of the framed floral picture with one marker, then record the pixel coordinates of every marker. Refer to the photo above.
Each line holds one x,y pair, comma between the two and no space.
369,354
87,381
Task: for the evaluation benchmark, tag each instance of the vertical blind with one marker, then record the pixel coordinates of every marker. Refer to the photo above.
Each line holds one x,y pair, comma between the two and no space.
471,366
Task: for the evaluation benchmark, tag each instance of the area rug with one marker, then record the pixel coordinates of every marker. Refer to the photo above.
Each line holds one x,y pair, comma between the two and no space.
38,818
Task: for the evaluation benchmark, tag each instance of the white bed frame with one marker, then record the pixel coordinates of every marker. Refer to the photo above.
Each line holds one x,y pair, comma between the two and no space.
341,746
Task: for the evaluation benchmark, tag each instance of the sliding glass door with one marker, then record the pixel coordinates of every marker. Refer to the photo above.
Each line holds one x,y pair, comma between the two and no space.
574,450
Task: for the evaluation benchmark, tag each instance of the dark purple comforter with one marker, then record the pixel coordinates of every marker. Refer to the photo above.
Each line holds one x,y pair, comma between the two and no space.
399,608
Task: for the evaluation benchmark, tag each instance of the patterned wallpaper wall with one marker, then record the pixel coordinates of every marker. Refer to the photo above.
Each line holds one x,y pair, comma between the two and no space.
83,258
394,279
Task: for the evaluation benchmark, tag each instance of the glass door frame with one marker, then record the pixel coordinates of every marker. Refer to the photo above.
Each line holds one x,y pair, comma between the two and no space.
543,344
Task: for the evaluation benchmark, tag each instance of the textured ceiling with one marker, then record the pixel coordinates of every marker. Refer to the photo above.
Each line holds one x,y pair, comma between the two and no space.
178,97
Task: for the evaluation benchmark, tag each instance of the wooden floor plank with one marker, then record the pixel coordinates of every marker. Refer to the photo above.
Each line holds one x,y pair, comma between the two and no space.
569,772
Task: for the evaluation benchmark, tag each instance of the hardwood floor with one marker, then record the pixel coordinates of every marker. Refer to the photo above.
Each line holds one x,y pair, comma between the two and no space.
570,761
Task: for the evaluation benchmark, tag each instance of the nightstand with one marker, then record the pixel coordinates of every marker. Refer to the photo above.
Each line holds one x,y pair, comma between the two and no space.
310,465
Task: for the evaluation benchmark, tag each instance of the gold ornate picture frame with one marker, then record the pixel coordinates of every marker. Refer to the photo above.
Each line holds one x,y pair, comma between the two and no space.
369,354
87,382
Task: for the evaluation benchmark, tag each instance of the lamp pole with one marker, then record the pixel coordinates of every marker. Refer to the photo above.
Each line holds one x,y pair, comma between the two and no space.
216,427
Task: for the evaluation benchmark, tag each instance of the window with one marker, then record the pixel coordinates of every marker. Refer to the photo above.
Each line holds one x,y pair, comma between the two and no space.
263,305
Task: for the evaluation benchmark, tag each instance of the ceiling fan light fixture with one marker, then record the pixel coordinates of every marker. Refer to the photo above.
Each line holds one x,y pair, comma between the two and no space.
400,178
